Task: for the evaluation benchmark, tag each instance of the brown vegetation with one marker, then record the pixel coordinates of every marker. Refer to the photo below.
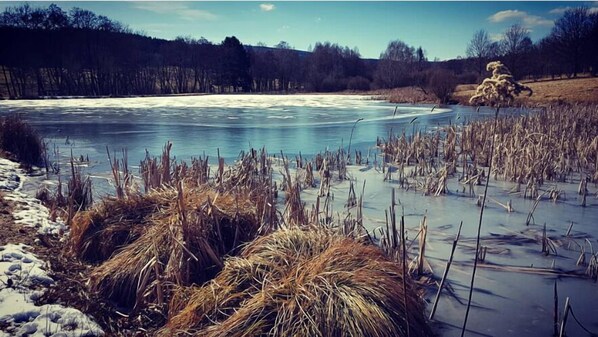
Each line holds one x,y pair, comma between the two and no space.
181,238
301,283
97,233
21,141
559,143
177,233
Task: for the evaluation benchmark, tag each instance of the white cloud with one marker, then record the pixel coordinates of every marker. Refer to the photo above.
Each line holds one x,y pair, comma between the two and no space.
522,16
559,10
267,7
506,15
181,9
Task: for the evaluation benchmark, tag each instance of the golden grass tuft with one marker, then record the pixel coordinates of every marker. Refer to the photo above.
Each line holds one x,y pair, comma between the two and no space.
301,283
182,242
98,232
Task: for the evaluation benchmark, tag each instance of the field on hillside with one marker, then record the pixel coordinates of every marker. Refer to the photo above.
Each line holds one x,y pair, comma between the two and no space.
584,90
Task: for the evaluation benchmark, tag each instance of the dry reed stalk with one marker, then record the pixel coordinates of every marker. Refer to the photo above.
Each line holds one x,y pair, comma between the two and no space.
350,139
422,246
592,269
446,271
300,283
530,270
294,212
351,198
565,317
475,263
555,313
123,182
530,215
529,149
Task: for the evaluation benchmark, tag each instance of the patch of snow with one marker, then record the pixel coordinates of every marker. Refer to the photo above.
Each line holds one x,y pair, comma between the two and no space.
9,179
28,211
23,279
80,105
18,264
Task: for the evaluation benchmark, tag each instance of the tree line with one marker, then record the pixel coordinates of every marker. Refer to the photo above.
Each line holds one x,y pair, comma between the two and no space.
52,52
570,49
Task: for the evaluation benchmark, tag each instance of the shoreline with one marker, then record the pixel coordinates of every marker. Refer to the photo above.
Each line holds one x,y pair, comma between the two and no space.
581,90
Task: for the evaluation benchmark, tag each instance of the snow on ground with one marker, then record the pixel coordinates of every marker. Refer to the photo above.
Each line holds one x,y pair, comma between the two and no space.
28,211
24,277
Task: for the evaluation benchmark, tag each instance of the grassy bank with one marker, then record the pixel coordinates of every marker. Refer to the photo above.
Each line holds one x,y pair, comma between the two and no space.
546,91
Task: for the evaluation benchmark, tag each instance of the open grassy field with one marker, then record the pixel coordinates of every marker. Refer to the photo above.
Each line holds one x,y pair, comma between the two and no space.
575,90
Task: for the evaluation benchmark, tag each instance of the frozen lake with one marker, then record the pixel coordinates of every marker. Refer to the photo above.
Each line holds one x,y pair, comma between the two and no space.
230,123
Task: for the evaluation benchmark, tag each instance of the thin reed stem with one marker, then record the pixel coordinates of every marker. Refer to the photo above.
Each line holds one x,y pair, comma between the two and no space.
477,247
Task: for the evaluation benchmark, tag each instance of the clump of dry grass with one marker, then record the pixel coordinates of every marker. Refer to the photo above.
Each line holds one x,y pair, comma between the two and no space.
181,240
97,233
301,283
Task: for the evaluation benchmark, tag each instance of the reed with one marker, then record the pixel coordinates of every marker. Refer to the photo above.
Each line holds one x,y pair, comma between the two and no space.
557,143
446,271
122,177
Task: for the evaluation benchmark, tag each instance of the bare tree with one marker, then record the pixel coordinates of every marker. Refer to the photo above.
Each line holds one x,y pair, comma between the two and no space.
82,18
396,65
570,33
515,43
479,49
442,83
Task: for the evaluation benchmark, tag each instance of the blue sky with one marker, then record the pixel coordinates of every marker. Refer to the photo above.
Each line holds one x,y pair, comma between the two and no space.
443,29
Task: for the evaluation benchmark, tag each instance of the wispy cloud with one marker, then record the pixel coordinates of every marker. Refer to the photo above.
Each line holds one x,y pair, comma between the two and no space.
181,9
267,7
522,16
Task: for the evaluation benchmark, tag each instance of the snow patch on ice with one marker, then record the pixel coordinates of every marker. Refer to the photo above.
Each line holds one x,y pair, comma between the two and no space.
80,105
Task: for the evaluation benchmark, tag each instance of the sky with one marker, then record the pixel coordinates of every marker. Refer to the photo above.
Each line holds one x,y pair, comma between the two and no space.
443,29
